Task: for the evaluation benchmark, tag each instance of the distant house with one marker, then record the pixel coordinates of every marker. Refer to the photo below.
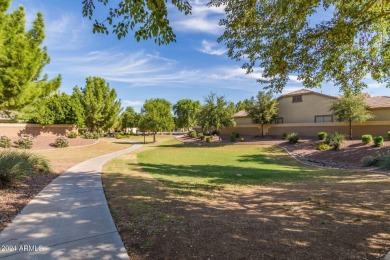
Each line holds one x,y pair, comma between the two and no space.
307,112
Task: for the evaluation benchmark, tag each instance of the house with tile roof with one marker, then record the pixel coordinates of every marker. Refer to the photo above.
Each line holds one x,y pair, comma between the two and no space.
308,112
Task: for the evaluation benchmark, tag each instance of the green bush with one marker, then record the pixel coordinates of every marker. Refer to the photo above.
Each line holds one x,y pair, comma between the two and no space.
284,136
201,136
384,163
61,142
25,142
15,166
366,139
378,141
336,140
5,142
322,136
323,147
122,136
293,138
72,135
233,137
237,135
388,135
192,134
242,139
208,139
91,135
372,161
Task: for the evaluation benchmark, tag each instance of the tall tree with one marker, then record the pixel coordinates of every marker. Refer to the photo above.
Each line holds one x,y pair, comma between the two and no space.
186,111
57,109
263,109
216,112
156,116
281,38
350,107
242,105
22,60
129,118
100,104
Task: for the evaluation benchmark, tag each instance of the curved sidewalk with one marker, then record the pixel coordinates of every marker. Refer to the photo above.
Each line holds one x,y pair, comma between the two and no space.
69,219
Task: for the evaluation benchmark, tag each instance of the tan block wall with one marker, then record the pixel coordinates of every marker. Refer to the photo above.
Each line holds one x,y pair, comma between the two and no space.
16,130
374,128
303,112
242,121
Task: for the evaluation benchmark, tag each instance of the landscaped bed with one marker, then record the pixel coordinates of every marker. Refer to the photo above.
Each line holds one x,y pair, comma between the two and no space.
244,202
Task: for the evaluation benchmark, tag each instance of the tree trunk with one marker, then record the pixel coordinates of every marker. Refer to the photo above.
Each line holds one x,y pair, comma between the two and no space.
350,129
144,138
154,137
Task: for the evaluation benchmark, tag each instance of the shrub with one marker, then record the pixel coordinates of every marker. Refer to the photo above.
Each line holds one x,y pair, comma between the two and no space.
366,139
208,139
61,142
237,135
384,162
388,135
242,139
15,166
372,161
336,140
378,141
293,138
233,137
91,135
323,147
5,142
284,136
25,142
192,134
322,136
201,136
72,135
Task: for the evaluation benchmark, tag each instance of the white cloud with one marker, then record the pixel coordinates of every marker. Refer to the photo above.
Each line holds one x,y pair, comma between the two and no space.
202,19
66,32
131,103
211,48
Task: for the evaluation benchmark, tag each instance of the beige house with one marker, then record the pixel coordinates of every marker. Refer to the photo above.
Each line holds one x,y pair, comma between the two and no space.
307,112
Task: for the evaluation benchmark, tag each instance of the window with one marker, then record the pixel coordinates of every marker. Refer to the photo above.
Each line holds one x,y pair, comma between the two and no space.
278,120
296,99
323,118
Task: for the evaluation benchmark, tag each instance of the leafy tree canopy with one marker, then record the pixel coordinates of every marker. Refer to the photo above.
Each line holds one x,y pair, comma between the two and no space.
129,118
99,102
58,109
263,109
216,112
281,38
352,108
242,105
22,60
156,116
186,111
149,18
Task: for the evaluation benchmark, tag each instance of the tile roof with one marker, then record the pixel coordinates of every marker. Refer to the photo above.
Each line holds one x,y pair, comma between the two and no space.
378,102
241,113
304,92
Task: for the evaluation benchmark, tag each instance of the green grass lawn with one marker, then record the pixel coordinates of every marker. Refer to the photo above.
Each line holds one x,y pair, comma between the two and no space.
198,167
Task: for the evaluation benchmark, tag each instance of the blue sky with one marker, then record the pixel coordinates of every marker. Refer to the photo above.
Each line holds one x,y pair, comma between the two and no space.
189,68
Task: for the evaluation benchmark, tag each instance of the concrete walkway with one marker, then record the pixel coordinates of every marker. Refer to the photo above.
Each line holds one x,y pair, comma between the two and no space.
69,219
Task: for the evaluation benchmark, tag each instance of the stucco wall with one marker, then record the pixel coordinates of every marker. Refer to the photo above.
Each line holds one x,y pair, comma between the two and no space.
381,114
16,130
303,112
